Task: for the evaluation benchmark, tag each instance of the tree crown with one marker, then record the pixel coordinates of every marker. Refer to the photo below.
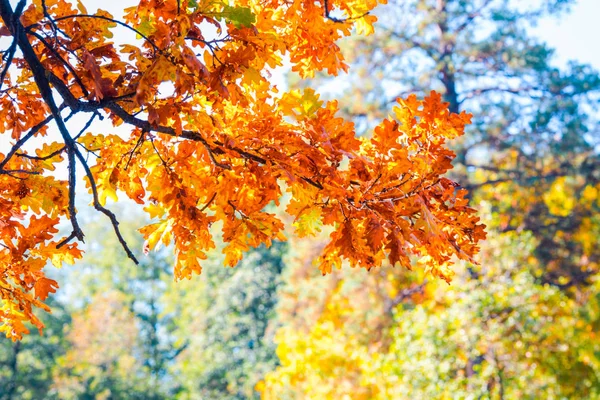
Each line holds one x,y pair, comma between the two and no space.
210,140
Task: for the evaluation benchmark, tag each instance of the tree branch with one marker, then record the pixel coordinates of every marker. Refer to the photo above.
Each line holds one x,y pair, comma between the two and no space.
13,46
35,129
471,17
404,294
102,209
115,21
9,58
77,232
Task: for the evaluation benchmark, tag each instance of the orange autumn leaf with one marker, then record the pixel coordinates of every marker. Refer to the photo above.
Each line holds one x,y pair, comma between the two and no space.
103,87
204,138
44,286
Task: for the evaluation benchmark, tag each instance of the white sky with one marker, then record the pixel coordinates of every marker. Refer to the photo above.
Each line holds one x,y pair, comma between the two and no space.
575,36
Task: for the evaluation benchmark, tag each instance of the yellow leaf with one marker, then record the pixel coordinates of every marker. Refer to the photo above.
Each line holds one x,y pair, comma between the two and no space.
364,25
309,222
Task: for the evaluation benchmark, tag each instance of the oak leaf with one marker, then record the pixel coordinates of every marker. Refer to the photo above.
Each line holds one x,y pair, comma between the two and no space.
206,138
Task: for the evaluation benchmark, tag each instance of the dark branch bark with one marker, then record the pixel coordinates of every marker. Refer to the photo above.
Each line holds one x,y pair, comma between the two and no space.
446,49
102,209
42,158
390,304
334,19
24,140
472,16
9,58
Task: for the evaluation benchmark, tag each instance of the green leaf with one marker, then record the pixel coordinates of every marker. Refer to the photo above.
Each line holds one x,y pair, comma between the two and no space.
145,27
310,102
239,16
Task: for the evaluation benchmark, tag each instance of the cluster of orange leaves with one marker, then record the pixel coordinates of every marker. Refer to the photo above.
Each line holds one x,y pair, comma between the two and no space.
220,144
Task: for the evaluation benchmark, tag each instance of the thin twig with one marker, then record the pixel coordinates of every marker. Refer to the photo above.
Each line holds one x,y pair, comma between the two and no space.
11,53
86,126
115,21
103,210
132,152
62,60
208,203
340,20
77,232
42,158
35,129
164,163
17,171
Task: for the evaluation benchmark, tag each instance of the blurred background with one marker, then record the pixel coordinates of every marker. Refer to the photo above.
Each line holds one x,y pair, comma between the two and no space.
523,324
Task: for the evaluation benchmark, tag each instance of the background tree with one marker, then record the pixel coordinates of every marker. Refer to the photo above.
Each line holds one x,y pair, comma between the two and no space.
26,366
498,336
136,333
138,289
532,149
228,334
105,355
502,332
329,329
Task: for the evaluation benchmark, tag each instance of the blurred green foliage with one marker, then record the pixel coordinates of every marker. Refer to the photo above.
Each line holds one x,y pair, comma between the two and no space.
121,331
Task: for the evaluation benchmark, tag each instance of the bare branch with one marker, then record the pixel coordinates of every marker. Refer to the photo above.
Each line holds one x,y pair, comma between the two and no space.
11,172
132,152
42,158
86,126
9,58
472,16
77,232
13,46
208,203
35,129
390,304
102,209
66,240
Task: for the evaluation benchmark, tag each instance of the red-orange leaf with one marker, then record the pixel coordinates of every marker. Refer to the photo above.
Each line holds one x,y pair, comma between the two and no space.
44,286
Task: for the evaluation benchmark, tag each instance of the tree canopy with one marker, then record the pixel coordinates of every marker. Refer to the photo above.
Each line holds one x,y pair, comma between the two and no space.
208,142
